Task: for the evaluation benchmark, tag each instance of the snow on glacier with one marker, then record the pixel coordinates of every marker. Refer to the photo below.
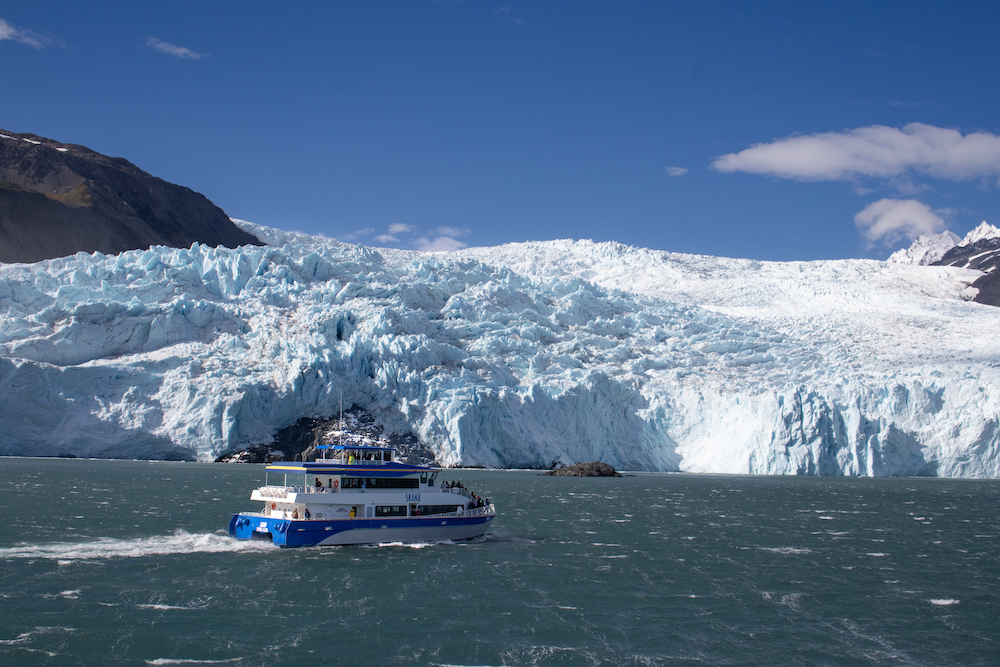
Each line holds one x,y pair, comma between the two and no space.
519,355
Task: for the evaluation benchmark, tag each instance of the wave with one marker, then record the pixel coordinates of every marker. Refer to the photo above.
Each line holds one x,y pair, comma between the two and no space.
181,542
189,661
410,545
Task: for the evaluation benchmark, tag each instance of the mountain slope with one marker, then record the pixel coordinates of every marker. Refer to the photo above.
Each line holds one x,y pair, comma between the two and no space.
59,199
513,356
980,250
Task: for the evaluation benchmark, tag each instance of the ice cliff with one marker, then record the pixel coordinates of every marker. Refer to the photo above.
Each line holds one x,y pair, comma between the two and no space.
513,356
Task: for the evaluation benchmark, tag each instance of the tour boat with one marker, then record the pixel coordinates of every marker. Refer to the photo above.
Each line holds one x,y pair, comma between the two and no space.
360,495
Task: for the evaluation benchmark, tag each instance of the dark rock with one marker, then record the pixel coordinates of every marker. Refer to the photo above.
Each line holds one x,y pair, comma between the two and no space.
254,454
59,199
300,441
983,255
592,469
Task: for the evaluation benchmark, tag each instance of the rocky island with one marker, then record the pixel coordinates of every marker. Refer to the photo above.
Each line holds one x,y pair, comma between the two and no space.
591,469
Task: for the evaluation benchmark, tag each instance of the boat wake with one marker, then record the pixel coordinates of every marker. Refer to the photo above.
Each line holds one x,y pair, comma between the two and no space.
181,542
412,545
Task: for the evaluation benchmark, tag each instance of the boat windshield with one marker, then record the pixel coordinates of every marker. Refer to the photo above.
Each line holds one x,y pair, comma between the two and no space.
357,455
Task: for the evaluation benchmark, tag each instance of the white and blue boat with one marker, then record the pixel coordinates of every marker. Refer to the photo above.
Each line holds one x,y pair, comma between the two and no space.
360,495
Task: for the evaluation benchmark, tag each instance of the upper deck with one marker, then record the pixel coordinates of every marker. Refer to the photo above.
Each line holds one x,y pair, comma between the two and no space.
354,460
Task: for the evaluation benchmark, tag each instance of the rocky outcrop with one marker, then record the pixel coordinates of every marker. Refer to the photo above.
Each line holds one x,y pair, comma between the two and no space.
59,199
592,469
300,441
983,255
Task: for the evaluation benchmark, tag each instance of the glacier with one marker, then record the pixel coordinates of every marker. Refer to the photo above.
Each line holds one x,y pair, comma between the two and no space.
520,355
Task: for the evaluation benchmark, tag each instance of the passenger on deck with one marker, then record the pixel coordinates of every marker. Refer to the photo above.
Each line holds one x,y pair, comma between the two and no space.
319,483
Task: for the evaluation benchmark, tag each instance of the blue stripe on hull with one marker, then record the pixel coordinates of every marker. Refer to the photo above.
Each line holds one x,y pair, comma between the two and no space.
296,533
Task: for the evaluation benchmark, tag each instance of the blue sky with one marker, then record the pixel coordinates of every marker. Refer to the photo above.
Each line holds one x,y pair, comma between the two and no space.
771,130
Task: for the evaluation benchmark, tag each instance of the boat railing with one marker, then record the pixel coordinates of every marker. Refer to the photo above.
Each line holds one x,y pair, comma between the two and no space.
285,491
485,510
351,461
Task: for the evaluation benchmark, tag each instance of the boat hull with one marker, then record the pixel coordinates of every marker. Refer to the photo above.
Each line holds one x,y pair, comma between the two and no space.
309,532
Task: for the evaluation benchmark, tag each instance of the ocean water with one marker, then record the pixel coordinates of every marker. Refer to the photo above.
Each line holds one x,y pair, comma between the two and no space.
128,563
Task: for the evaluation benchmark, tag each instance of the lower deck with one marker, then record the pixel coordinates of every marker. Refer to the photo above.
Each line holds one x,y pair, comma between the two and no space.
321,532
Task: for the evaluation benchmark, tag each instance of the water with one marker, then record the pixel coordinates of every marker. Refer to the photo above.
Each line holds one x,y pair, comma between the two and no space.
127,563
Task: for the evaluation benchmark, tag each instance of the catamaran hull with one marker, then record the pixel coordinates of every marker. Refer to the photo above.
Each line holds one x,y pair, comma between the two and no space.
299,533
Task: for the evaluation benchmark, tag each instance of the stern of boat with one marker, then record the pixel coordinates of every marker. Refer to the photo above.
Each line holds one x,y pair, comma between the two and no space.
250,527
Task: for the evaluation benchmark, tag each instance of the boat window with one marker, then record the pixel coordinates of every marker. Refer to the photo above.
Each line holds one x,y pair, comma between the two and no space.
437,509
388,456
432,479
423,478
390,510
379,483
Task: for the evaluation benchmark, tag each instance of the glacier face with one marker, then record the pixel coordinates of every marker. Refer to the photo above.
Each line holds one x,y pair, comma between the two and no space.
514,356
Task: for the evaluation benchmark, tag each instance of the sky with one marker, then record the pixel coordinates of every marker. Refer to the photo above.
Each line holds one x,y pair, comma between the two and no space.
768,130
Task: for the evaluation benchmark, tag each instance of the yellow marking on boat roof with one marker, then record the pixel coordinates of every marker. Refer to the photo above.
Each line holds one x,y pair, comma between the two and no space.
347,469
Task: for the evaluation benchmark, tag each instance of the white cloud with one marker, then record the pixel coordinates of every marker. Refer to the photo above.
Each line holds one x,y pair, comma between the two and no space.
440,244
890,221
441,239
676,171
452,231
505,14
367,231
877,151
172,50
15,34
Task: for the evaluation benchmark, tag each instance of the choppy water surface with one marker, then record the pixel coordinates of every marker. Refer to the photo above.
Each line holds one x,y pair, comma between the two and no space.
120,562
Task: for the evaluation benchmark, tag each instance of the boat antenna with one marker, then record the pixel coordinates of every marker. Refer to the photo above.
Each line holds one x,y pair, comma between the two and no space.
341,417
